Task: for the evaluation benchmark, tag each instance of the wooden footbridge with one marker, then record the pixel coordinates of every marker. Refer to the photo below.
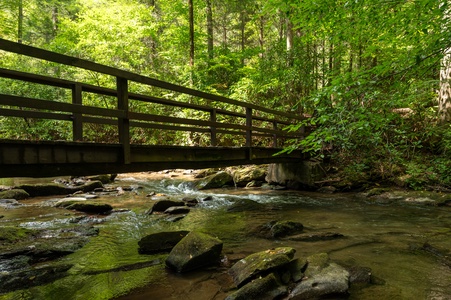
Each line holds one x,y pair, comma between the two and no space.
227,132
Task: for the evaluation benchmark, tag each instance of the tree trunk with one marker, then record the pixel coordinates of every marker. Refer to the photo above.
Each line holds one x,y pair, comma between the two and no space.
289,42
444,99
243,33
55,20
261,36
20,23
191,32
209,29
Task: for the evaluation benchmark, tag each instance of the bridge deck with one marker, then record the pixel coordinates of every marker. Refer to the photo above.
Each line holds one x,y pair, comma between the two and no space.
46,159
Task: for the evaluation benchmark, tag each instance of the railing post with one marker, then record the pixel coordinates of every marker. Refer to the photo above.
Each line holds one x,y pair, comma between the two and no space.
123,123
248,127
77,122
213,128
274,141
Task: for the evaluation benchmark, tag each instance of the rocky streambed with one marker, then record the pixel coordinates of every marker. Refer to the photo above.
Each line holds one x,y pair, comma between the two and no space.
171,235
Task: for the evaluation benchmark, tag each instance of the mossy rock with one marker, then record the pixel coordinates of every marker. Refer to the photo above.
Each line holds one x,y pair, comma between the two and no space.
160,241
196,250
10,234
253,173
18,194
163,205
215,181
36,190
261,288
259,263
284,228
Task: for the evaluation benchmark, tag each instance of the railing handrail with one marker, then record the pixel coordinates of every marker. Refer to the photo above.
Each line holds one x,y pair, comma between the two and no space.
34,52
122,116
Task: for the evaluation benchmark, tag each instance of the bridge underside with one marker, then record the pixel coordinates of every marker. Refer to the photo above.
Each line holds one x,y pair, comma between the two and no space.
49,159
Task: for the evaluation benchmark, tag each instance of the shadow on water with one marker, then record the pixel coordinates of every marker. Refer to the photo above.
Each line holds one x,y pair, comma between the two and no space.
376,236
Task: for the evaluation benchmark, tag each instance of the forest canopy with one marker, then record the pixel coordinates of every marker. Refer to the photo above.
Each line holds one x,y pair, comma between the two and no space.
371,75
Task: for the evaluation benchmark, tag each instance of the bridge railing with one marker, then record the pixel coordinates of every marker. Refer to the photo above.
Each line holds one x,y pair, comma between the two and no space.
252,121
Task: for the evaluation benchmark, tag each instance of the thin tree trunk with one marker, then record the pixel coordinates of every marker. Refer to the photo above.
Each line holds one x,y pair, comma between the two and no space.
289,42
191,32
55,20
444,99
261,36
20,23
209,29
243,32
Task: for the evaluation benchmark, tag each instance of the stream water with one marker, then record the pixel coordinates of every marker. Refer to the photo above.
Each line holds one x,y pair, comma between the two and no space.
377,235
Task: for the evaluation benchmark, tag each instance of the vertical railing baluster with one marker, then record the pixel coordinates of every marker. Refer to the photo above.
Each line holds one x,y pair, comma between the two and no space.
213,128
123,122
77,122
274,139
248,127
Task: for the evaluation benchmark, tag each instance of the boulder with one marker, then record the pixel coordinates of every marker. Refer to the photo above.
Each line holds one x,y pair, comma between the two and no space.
242,177
266,288
87,206
331,280
160,242
214,181
196,250
278,229
104,178
176,210
36,190
244,205
259,263
162,205
17,194
300,175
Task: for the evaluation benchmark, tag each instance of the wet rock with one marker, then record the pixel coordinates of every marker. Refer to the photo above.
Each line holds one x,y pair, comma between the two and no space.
278,229
242,177
162,205
196,250
297,176
208,198
174,218
266,288
297,268
160,242
105,178
254,184
327,189
87,206
17,194
316,263
35,190
244,205
359,275
214,181
259,263
330,280
10,234
31,277
190,201
315,237
175,210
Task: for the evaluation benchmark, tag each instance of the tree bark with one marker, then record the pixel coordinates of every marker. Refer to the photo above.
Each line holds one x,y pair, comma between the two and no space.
444,99
20,23
209,12
191,32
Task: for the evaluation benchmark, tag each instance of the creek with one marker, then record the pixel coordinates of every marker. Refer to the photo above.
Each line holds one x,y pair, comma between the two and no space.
377,235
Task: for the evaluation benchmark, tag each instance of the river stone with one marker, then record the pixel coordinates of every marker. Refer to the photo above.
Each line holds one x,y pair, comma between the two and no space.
17,194
266,288
242,177
175,210
315,237
284,228
316,263
31,277
196,250
244,205
162,205
331,280
214,181
49,189
160,242
261,262
87,206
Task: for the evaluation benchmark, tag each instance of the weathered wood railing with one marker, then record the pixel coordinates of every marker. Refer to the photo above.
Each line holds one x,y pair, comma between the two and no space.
269,121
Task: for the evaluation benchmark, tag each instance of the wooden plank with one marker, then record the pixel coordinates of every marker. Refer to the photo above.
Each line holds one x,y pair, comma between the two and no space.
34,114
168,127
77,124
213,140
248,127
59,106
28,77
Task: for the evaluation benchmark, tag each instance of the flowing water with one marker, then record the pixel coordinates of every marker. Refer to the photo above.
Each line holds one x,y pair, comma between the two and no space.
377,235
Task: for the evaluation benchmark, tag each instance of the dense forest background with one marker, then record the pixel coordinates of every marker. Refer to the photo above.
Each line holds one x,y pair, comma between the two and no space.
372,74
